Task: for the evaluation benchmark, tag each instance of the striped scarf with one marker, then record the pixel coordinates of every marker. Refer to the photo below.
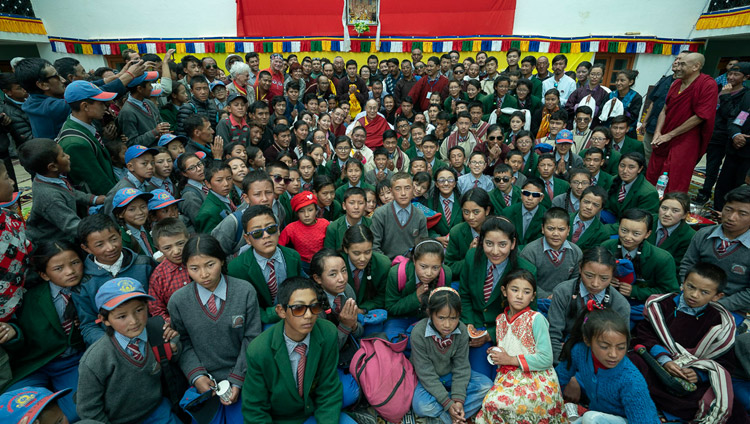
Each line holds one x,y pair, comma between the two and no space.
716,405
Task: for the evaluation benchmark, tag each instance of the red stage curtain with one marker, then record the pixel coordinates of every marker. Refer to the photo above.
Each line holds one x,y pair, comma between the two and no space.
305,18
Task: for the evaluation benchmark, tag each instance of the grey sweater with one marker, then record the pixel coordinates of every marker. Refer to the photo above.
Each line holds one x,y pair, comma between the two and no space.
391,239
216,346
227,230
430,363
736,264
549,274
139,126
343,332
113,387
567,304
54,214
192,199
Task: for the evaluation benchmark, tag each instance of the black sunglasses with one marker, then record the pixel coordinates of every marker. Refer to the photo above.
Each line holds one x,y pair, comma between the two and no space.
301,310
534,194
501,179
212,67
494,137
258,234
278,179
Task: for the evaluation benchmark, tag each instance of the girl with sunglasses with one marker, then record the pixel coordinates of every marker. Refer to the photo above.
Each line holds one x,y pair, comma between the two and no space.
214,310
265,264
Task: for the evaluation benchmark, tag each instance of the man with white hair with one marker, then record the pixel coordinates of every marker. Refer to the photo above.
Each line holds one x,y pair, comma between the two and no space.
240,73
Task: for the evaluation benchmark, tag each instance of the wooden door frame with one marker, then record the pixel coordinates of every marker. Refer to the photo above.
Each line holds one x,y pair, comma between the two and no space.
609,59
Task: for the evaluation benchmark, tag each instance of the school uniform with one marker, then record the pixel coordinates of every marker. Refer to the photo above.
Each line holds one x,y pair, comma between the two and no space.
193,195
116,387
468,181
529,164
43,353
336,229
138,120
395,230
270,392
212,211
128,181
442,205
339,194
657,270
568,202
57,209
676,242
593,232
520,179
558,186
611,160
332,315
571,159
603,180
639,193
333,168
460,237
132,238
499,201
552,266
517,214
628,145
287,263
734,259
371,175
370,291
478,312
91,165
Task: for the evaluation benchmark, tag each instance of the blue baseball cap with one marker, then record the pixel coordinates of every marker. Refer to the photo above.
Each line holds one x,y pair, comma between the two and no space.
146,76
82,90
168,138
564,136
215,84
27,402
127,195
161,200
137,150
115,292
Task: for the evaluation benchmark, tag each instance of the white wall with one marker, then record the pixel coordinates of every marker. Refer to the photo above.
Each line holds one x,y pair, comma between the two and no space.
88,61
103,19
574,18
650,68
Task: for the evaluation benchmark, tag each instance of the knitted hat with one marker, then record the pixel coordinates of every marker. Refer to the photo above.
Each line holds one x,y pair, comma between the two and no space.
303,199
625,272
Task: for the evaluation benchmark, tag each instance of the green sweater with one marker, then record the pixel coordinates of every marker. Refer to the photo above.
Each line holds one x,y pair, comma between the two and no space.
596,234
641,195
677,243
270,395
498,199
90,164
405,303
336,229
657,272
459,240
371,294
515,214
474,310
212,211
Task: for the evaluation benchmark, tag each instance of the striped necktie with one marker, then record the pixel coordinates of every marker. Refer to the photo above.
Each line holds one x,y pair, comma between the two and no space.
554,255
301,349
357,279
134,351
488,283
272,286
550,189
337,305
447,209
68,313
507,198
725,246
578,231
146,244
211,305
663,234
622,194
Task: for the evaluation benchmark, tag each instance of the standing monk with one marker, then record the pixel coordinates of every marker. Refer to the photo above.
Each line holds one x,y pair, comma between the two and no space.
685,124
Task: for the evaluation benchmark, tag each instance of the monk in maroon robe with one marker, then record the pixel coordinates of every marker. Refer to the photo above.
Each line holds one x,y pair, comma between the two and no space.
685,124
374,124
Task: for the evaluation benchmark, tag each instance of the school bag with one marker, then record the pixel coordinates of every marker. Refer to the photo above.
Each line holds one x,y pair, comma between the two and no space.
401,261
386,377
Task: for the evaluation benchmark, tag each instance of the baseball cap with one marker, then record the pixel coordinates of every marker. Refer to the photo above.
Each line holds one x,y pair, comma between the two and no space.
743,67
115,292
146,76
305,198
137,150
168,138
27,402
564,136
234,96
161,199
82,90
13,199
277,56
127,195
215,84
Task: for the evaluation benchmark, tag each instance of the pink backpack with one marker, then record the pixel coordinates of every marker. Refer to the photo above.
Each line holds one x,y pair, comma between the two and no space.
401,261
386,377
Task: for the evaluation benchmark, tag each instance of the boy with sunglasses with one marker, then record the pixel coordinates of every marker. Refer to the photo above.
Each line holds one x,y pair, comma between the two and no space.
265,264
505,192
292,367
281,206
527,214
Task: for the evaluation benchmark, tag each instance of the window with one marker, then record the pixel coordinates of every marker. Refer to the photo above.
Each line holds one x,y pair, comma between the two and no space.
613,62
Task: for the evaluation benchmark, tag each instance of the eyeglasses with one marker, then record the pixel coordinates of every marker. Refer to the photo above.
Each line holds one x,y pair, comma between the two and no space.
53,76
583,119
501,179
580,183
278,179
534,194
258,234
197,166
477,162
446,180
342,148
301,310
459,72
420,67
212,67
597,139
495,137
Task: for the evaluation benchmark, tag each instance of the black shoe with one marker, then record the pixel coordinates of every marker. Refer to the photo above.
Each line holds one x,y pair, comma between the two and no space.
700,198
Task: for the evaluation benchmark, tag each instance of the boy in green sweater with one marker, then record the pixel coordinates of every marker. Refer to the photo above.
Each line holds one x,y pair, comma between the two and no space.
291,367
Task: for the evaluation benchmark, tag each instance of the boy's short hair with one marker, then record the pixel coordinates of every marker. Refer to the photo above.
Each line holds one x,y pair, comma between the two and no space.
459,148
514,152
475,104
638,215
416,125
380,151
193,122
418,159
169,227
530,59
502,168
354,191
560,115
620,119
597,191
536,182
585,110
463,115
593,150
740,194
389,134
36,155
401,175
556,213
277,100
253,177
276,165
278,129
255,211
293,284
711,272
215,167
94,224
294,85
198,79
429,138
545,156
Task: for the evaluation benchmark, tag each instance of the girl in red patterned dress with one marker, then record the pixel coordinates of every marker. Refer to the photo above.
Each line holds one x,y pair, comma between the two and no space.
526,389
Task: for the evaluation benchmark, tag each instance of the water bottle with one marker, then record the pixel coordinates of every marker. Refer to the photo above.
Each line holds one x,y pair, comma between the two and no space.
661,185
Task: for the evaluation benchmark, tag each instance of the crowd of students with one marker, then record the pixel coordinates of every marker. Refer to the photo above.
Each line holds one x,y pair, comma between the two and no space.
211,245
